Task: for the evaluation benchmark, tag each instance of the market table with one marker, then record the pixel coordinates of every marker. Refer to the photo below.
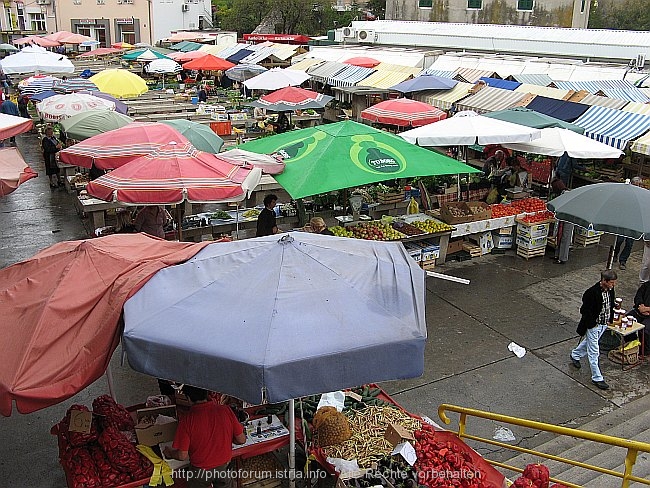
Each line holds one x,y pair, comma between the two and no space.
479,226
67,170
623,333
95,208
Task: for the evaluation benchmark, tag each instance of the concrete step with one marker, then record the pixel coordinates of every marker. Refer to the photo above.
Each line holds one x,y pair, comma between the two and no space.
628,422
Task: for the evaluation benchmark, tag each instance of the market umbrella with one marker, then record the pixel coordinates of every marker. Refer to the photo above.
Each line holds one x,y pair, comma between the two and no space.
88,124
90,43
122,45
37,40
362,61
292,98
556,141
100,51
469,129
67,37
61,106
120,106
531,118
11,126
243,72
120,83
35,59
42,95
276,78
615,208
403,113
13,170
269,165
175,173
36,84
147,54
114,148
163,66
184,36
208,62
200,135
73,85
425,82
8,47
348,154
61,311
182,57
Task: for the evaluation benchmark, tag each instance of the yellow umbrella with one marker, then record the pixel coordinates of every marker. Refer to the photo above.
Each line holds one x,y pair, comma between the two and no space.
120,83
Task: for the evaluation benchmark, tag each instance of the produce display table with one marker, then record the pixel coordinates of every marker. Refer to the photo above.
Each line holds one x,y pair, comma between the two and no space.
376,210
483,226
442,238
623,333
95,208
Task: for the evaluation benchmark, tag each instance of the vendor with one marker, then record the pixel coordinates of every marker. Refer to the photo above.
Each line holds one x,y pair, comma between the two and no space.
202,94
266,221
492,165
205,435
318,226
642,312
152,220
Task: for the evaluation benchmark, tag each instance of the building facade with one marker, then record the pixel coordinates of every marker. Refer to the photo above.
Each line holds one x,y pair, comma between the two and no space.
545,13
22,19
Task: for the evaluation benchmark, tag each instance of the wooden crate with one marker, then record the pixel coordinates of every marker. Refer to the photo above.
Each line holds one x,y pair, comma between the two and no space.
530,253
584,241
390,197
430,264
551,242
473,249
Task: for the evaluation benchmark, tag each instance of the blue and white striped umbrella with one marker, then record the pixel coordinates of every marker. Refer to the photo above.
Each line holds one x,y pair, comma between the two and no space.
36,84
74,85
163,66
243,72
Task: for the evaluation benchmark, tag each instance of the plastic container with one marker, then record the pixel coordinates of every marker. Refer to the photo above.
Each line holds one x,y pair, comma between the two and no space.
195,100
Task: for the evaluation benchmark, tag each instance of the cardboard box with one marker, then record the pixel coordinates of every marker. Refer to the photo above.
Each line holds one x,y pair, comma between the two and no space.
531,242
505,231
502,242
486,242
396,434
152,434
484,213
447,216
415,252
455,246
430,252
581,231
535,230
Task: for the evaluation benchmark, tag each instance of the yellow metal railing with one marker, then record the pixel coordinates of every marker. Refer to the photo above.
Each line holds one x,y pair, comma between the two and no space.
632,447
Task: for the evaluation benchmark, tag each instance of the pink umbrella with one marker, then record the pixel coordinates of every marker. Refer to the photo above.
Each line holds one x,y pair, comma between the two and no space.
362,61
403,112
13,170
189,56
100,51
11,126
38,40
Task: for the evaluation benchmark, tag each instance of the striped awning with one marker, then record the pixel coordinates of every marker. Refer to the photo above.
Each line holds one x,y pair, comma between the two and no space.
258,55
630,95
597,100
642,145
613,127
594,86
470,75
490,99
532,79
305,64
350,76
545,91
637,108
437,72
444,99
326,70
397,68
384,79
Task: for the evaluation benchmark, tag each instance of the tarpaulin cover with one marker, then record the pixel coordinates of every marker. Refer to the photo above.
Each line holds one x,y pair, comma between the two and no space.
60,313
239,55
326,313
560,109
499,83
11,126
13,170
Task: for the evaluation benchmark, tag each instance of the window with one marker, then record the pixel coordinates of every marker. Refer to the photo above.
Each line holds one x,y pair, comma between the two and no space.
524,4
21,16
38,22
582,6
11,21
475,4
425,3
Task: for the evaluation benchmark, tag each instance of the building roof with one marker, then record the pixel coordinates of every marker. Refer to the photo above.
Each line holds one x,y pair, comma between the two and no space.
412,57
533,79
545,91
490,99
613,127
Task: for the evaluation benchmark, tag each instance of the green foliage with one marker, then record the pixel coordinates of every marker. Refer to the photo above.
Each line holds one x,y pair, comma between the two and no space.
377,7
620,15
242,16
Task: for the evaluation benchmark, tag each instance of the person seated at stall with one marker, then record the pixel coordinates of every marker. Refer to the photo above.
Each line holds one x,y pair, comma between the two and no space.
123,221
318,226
152,220
642,313
266,220
202,94
282,124
205,435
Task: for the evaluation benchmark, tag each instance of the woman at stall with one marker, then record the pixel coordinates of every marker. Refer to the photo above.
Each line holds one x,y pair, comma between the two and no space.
318,226
152,220
51,145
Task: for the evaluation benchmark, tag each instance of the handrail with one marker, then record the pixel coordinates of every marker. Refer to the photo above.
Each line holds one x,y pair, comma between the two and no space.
632,447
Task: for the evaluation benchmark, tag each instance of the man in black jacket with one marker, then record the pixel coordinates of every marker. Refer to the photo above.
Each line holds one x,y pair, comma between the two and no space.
597,311
642,313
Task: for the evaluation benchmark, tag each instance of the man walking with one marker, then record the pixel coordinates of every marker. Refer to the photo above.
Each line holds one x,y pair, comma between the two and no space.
596,311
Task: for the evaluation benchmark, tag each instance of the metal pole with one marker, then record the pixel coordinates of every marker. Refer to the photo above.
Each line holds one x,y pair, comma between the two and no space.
292,445
237,221
109,378
610,257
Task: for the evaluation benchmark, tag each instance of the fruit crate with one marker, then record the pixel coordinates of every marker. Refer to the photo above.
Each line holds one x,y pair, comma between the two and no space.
530,253
584,241
472,249
428,265
394,197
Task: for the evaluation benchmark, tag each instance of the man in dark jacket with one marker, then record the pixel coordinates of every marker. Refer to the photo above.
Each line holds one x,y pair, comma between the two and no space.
642,313
597,311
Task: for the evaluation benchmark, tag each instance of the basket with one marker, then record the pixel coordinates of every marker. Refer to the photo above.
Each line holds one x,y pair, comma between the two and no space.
627,356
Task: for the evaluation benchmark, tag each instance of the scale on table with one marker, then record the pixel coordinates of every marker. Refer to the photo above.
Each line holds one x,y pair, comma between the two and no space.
261,430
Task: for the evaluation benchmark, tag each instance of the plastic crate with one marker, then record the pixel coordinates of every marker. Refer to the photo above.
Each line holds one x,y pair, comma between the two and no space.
221,128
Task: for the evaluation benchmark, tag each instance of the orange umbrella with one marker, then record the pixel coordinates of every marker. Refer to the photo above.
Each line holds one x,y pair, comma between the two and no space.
13,170
209,63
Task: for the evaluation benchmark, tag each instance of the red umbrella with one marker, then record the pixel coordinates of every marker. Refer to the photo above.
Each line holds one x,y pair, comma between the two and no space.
291,98
362,61
403,112
189,56
11,126
100,51
13,170
209,63
172,174
114,148
38,40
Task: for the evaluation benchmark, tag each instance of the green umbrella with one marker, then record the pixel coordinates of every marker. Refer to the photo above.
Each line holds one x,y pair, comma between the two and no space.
530,118
133,55
88,124
348,154
8,47
201,136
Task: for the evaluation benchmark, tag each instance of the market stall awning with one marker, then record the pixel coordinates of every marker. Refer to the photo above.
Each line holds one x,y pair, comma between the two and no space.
469,75
560,109
594,86
598,100
306,63
613,127
530,118
637,108
490,99
276,78
386,78
499,83
642,145
13,170
545,91
326,70
444,99
424,83
532,79
61,310
239,55
350,76
630,94
348,154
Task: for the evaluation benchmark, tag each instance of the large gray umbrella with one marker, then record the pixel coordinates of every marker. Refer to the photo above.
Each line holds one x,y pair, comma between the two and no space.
615,208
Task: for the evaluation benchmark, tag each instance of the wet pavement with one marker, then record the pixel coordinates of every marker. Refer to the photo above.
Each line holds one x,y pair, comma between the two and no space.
533,303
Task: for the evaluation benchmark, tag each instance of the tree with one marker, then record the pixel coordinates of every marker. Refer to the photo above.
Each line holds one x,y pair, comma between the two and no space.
377,7
619,14
244,15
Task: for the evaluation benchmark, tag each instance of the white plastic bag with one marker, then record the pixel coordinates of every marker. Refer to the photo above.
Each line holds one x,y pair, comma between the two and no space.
334,399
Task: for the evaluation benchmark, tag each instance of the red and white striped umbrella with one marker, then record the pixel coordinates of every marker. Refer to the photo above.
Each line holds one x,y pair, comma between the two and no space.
291,98
175,173
403,112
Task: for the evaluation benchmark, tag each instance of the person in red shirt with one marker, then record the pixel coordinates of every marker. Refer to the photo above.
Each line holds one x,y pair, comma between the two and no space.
205,435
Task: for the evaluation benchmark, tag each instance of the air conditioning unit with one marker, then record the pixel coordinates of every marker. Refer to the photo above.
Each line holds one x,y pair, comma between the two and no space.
349,32
640,60
185,8
43,2
366,35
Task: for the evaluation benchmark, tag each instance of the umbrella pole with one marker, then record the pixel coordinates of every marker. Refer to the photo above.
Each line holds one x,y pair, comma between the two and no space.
109,379
237,222
179,221
292,444
610,257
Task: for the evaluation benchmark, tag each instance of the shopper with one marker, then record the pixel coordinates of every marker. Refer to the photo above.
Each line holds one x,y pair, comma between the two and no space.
644,272
318,226
51,145
205,435
23,101
596,311
565,167
10,108
563,237
202,94
266,221
152,220
282,124
625,243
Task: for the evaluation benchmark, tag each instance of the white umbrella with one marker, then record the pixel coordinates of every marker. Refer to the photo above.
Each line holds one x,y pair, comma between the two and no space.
62,106
163,66
276,78
35,59
469,129
556,141
148,55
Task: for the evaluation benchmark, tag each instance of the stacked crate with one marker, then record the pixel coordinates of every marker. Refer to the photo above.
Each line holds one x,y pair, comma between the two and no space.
531,239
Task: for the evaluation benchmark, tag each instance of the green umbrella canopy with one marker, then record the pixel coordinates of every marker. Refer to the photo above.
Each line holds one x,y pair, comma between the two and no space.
201,136
530,118
88,124
348,154
133,54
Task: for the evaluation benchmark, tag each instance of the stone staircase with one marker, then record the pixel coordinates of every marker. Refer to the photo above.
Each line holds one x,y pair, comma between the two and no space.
632,422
